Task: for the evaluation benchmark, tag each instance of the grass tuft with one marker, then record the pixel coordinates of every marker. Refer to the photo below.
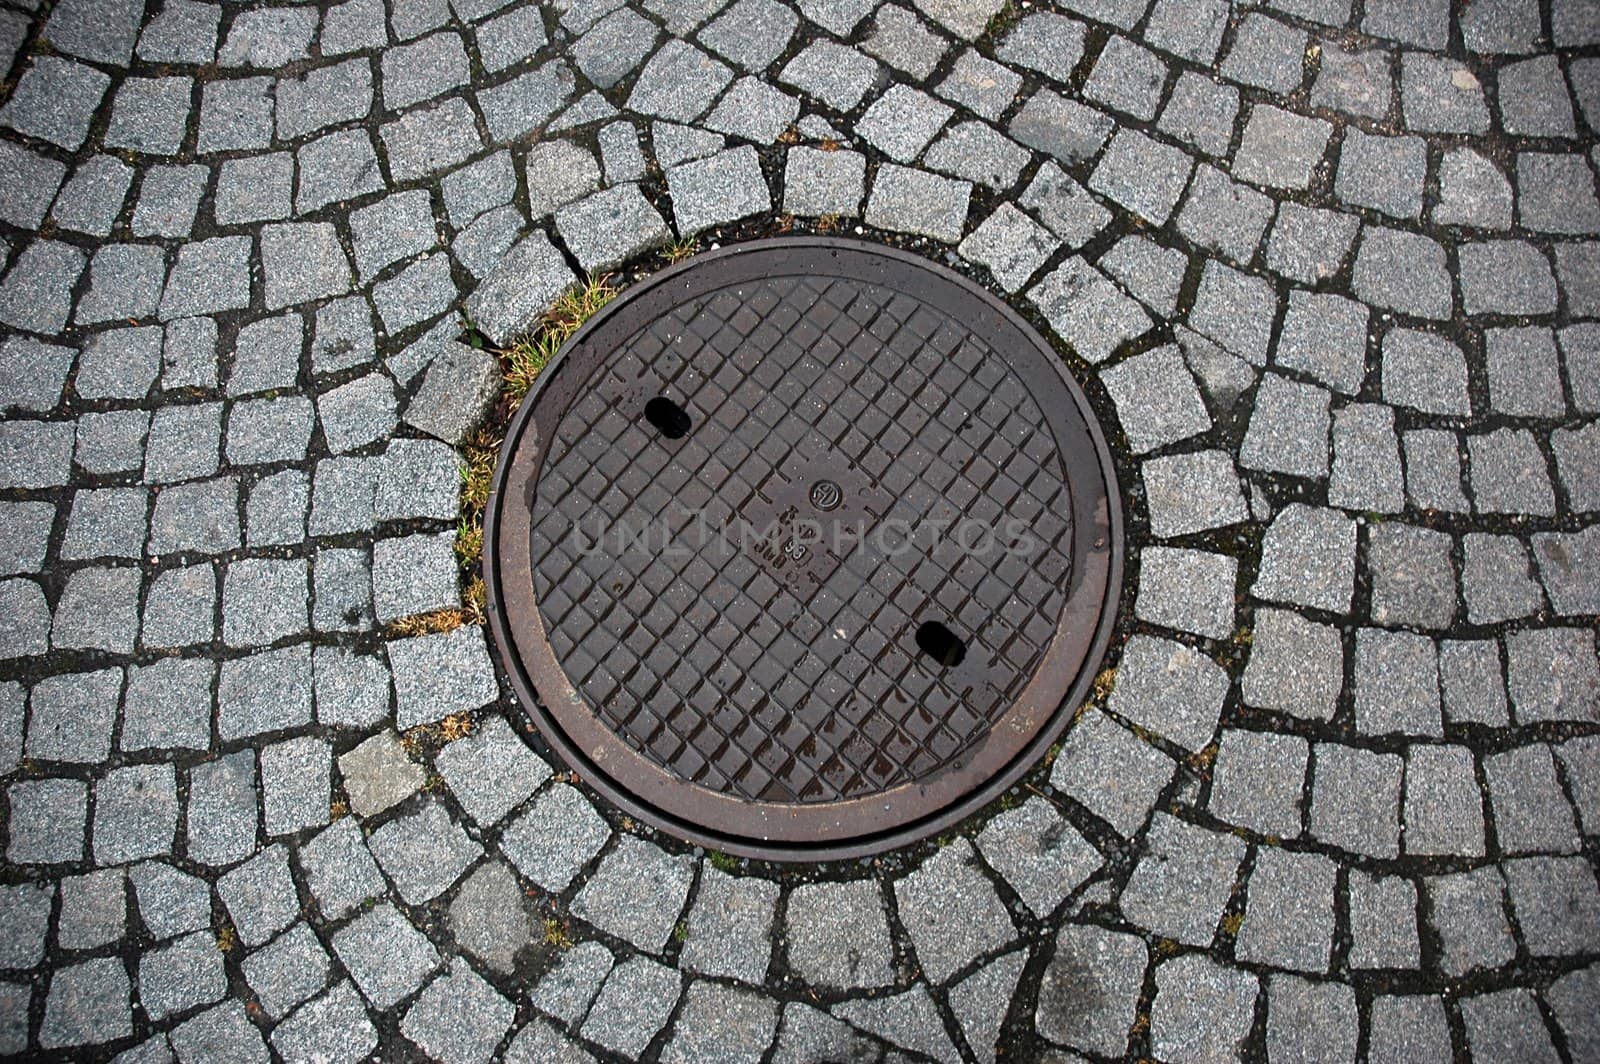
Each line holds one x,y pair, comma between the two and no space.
679,250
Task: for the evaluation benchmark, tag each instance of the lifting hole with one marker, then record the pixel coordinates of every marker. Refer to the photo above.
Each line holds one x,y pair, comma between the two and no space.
941,644
668,417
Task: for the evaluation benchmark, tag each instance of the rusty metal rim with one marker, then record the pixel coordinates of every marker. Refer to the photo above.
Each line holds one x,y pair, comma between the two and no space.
735,829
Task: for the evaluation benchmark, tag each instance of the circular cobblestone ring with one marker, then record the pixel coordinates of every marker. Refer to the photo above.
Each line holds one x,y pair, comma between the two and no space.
803,549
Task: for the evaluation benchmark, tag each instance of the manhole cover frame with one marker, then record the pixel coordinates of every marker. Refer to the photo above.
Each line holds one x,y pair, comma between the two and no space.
537,676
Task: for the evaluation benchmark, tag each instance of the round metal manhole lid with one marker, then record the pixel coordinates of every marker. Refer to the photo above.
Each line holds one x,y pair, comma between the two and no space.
803,549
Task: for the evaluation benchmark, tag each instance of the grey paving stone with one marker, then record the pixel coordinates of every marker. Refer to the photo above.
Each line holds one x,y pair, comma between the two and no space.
1288,430
1280,149
26,907
25,633
326,96
1357,82
555,837
1187,590
429,140
966,19
616,44
838,935
35,454
170,902
524,103
1506,1024
1087,310
47,821
674,143
539,1041
567,990
136,814
54,100
1040,855
1150,272
1495,579
1530,813
235,115
1506,277
1509,474
1433,471
260,896
1202,1010
559,172
491,772
1266,54
35,374
1127,78
1308,558
149,115
505,41
1201,112
268,39
294,785
909,1020
352,690
98,610
221,810
378,774
119,364
722,1023
981,85
1533,99
413,575
1224,216
817,182
266,355
303,262
339,870
1190,31
1192,492
1556,903
25,531
982,1000
125,282
208,276
224,1032
1443,809
1568,998
254,189
264,692
87,1004
264,600
1383,924
1288,916
915,201
37,294
332,1028
1404,272
286,972
1067,130
1577,452
1310,1019
636,894
1524,374
755,111
679,83
1010,244
1412,575
728,932
1555,194
423,853
729,186
92,197
1355,801
634,1004
265,431
1471,682
341,495
951,912
343,591
189,354
168,703
902,122
1110,965
1382,173
423,70
437,675
459,1018
1396,683
1552,674
1325,335
386,956
1472,192
1171,689
1258,780
94,909
1143,175
1578,265
201,516
1366,473
1236,310
1426,372
334,169
394,228
421,291
106,523
479,187
608,228
752,33
489,917
181,976
1048,43
1182,881
1308,244
975,152
1064,206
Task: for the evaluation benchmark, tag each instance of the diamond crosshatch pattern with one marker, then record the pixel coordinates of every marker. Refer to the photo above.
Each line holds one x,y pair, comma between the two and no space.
703,661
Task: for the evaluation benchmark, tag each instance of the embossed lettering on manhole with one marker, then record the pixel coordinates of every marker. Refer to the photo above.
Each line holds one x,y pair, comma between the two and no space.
803,549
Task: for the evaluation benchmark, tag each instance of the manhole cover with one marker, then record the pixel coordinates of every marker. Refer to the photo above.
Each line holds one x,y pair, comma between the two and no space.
805,547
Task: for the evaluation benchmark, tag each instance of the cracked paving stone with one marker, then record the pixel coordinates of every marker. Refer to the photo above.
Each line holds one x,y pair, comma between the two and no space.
608,228
951,912
909,1020
1039,854
568,989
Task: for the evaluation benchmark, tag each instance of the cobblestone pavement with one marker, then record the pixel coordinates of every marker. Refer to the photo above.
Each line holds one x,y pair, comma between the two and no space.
1329,272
